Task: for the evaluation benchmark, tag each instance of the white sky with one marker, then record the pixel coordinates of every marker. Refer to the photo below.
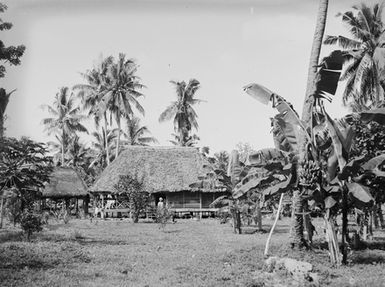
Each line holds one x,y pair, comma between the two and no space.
223,44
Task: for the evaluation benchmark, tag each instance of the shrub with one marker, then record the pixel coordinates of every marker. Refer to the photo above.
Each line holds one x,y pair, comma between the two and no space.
13,209
30,223
133,188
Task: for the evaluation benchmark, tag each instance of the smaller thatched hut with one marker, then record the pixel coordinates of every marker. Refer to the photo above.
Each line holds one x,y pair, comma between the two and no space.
167,172
65,184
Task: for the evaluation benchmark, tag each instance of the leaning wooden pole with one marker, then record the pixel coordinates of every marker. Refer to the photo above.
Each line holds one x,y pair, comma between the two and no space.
344,225
273,227
1,212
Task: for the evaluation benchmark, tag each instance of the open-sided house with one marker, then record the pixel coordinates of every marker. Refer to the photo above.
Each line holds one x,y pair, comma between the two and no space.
66,184
167,172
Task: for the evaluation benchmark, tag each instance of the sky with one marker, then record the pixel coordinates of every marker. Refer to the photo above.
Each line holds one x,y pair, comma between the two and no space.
225,45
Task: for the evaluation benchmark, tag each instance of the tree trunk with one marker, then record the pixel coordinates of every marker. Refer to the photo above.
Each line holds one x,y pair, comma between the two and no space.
106,139
1,125
1,212
297,238
314,59
117,139
344,225
380,216
62,149
297,234
259,216
307,221
375,216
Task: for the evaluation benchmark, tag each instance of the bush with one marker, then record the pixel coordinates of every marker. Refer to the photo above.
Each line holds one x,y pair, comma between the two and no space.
133,188
162,216
13,209
30,223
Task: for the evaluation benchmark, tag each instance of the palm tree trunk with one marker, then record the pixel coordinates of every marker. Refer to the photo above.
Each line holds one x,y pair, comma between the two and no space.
1,212
118,138
62,149
297,235
1,125
106,139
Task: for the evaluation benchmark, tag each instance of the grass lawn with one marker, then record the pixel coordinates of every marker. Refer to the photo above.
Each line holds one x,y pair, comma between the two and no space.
188,253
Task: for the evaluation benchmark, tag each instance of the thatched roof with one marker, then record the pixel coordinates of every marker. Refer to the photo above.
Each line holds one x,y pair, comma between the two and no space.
65,182
163,169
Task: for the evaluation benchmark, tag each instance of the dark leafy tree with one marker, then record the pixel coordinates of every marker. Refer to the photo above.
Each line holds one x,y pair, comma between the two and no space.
11,54
24,168
133,188
8,55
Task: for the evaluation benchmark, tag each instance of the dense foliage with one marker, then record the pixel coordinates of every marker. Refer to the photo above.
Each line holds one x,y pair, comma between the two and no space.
139,199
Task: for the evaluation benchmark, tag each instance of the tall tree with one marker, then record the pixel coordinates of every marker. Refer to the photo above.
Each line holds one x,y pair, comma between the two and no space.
185,117
11,55
122,92
363,86
66,119
102,146
93,91
4,99
136,134
298,202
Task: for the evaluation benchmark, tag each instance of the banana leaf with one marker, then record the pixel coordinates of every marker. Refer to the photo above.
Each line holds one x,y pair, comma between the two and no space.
247,183
263,156
352,168
360,195
373,163
285,134
342,139
285,109
280,187
259,92
377,115
328,75
221,201
329,202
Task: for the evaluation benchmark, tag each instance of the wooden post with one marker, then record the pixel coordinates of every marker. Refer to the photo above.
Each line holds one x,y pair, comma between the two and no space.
102,209
259,215
77,206
85,205
200,205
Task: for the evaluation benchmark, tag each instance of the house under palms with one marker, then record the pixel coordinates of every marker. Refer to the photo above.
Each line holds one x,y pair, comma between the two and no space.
167,172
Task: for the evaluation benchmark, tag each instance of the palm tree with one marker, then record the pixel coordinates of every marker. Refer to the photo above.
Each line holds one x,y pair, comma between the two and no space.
361,71
221,160
185,117
4,98
77,153
122,92
136,134
66,118
101,150
187,141
297,236
93,91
